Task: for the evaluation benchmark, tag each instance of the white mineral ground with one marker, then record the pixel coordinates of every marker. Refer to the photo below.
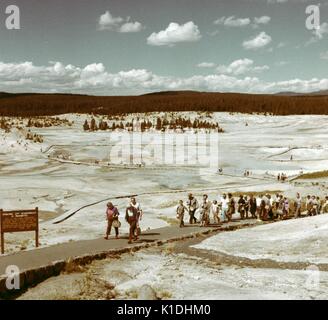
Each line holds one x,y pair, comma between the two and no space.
29,179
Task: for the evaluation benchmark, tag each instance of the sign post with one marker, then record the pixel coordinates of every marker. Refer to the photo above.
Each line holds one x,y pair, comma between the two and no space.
19,221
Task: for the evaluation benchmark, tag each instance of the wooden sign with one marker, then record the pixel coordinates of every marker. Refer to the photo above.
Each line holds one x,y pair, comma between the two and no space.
19,221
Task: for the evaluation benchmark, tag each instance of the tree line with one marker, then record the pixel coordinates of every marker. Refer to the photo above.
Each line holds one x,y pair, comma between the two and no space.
160,124
27,105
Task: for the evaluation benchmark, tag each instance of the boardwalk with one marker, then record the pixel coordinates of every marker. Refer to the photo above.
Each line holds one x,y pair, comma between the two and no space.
39,264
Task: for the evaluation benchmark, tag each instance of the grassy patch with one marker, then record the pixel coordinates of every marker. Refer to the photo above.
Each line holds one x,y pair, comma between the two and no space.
313,175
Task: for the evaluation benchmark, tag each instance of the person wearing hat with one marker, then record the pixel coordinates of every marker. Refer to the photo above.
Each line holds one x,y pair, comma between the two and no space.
112,215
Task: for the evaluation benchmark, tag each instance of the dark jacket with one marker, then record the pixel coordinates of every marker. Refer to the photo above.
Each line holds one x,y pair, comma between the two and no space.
131,214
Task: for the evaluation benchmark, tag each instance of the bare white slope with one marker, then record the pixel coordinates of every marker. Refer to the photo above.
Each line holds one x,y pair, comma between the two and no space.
298,240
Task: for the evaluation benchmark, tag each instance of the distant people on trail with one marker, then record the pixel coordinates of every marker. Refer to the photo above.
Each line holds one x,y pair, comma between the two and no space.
258,205
224,208
315,206
205,211
181,210
246,206
231,207
285,208
309,205
241,207
319,205
325,206
298,205
112,215
252,206
215,209
131,217
192,205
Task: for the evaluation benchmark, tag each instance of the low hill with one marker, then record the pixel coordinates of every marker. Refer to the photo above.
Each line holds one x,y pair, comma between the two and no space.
53,104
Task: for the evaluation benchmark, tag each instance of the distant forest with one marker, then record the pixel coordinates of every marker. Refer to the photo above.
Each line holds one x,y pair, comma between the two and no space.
26,105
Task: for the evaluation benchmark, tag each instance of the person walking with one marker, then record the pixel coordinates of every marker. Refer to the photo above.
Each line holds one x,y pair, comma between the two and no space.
181,209
252,206
231,207
137,205
224,208
131,217
298,205
215,208
192,205
112,215
241,207
205,211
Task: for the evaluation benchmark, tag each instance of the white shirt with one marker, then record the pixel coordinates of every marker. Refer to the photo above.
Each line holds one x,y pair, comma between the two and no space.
258,202
224,203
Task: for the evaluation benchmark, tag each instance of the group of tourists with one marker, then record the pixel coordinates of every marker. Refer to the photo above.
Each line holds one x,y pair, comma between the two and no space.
133,214
264,207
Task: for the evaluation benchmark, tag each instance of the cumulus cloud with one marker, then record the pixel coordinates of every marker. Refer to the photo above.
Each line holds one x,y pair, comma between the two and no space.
321,31
174,34
260,41
241,66
95,79
232,21
131,27
108,22
262,20
206,65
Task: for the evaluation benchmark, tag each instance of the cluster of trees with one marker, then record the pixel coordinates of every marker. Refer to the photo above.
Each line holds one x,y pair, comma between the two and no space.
161,124
5,125
53,104
34,137
102,125
46,122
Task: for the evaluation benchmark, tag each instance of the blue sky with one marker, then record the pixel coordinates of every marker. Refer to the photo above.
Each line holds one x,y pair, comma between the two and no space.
112,47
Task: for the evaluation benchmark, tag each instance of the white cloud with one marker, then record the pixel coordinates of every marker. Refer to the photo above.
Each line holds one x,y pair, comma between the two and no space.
95,79
262,20
108,22
260,41
131,27
322,31
233,21
318,34
174,34
241,66
206,65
